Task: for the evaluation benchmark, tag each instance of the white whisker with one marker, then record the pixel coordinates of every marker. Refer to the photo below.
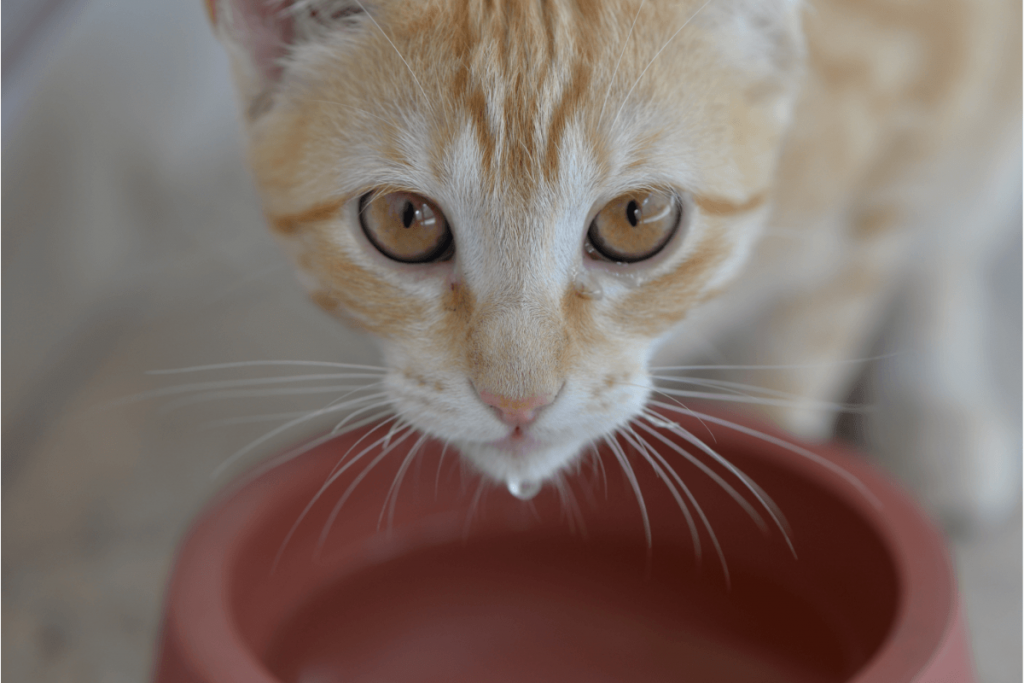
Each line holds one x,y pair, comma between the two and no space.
757,400
288,425
575,515
742,389
473,505
355,482
762,497
426,100
437,475
675,400
392,495
693,501
229,384
615,71
396,424
714,476
590,482
793,448
759,494
653,59
356,390
563,506
335,473
713,384
600,465
253,419
288,456
665,478
627,469
264,363
795,366
177,404
337,429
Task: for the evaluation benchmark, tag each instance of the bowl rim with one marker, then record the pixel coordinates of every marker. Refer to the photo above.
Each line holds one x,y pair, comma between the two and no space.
927,621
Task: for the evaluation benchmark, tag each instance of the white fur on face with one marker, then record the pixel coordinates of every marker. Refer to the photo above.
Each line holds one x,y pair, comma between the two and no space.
519,261
522,311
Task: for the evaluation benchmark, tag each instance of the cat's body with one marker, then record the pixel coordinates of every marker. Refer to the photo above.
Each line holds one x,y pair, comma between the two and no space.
803,151
896,187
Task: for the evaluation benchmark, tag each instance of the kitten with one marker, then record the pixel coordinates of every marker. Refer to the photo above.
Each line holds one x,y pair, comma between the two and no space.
524,200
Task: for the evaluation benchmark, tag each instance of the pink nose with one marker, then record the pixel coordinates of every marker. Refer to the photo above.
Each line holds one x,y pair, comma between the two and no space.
515,412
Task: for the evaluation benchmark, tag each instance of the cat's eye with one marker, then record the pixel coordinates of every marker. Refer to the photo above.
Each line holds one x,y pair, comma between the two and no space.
635,226
406,227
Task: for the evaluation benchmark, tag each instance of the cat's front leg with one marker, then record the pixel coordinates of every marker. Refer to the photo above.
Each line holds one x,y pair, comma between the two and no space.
948,418
943,413
937,413
804,353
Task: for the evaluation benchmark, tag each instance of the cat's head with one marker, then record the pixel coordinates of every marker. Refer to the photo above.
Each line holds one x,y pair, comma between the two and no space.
518,198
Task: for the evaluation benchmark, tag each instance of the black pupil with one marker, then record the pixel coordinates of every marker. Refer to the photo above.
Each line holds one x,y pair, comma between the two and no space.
409,215
632,213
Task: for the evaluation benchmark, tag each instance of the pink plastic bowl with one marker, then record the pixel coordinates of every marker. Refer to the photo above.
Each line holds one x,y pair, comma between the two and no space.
460,581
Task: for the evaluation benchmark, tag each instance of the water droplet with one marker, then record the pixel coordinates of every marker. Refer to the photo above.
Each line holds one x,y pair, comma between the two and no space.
587,286
523,490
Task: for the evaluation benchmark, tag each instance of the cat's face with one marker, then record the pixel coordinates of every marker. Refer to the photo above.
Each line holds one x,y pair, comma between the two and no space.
518,199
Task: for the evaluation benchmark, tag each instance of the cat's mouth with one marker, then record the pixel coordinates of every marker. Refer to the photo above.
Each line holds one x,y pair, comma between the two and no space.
520,456
518,442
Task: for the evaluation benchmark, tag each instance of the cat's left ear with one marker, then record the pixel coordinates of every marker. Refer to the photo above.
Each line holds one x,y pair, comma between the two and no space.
763,37
260,35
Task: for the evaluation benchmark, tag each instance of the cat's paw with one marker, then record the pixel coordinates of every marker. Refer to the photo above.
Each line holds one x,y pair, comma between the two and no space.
963,463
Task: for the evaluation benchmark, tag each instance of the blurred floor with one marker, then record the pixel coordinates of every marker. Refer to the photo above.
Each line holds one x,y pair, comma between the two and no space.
132,242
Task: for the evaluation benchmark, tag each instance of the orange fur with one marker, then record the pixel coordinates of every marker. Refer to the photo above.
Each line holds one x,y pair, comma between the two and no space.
520,119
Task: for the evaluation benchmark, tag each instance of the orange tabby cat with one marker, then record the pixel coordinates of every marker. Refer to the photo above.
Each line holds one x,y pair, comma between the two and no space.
524,199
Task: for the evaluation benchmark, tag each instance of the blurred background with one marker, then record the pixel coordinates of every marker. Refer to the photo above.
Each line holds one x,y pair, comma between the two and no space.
133,242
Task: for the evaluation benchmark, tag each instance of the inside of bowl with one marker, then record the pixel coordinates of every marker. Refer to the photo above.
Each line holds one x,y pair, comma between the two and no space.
459,580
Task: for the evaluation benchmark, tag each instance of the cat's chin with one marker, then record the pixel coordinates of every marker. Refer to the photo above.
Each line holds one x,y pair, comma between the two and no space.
513,461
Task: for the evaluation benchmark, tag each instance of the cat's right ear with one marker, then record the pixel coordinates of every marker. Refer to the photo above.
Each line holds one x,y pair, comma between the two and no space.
259,36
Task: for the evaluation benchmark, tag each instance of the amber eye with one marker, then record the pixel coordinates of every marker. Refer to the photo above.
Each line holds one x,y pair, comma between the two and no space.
406,227
635,226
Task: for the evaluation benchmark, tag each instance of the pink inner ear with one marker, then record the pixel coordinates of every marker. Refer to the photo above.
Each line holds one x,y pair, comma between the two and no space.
265,30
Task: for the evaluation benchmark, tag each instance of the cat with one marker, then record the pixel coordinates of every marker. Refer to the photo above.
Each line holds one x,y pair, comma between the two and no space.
529,202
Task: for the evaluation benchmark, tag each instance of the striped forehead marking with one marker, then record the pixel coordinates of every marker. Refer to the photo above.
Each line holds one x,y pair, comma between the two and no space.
524,73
